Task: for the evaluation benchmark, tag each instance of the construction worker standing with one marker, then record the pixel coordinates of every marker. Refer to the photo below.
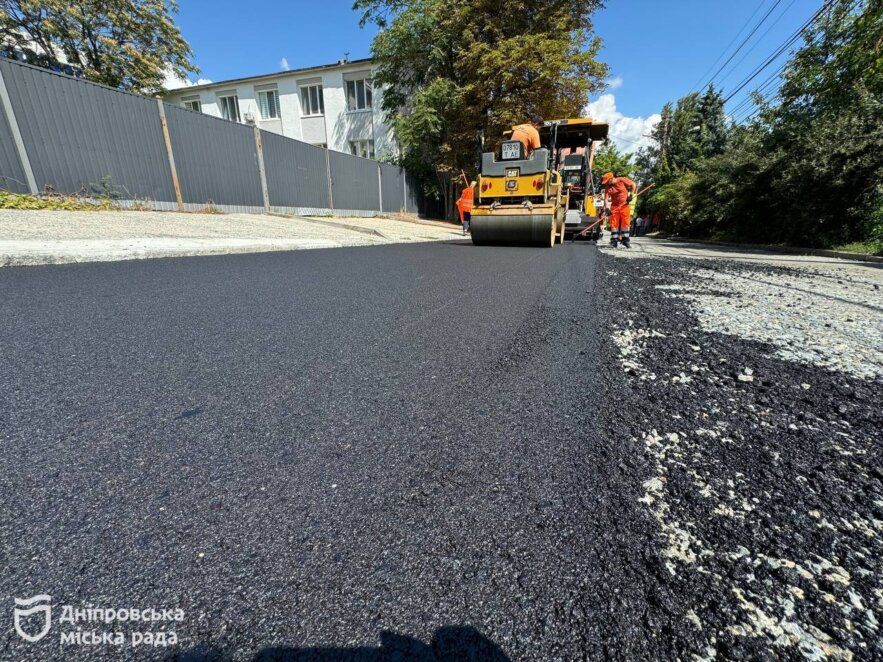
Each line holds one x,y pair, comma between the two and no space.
465,204
528,135
618,192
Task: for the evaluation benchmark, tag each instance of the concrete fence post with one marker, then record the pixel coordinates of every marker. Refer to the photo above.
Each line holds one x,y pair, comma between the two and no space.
17,139
328,177
380,186
259,146
404,177
168,141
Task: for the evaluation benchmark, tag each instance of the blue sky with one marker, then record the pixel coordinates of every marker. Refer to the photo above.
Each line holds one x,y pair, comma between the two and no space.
657,50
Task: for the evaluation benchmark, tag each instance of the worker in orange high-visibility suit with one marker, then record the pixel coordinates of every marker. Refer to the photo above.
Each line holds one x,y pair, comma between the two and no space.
528,135
618,192
465,204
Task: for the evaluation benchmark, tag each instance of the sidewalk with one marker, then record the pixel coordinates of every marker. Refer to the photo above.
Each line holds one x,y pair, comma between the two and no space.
33,237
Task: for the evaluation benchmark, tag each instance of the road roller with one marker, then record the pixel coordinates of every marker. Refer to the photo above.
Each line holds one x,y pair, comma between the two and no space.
523,199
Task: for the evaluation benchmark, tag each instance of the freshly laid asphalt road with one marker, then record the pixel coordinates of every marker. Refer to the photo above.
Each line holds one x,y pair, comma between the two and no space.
362,452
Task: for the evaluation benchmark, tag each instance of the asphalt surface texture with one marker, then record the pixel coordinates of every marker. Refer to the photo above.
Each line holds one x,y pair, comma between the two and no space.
424,452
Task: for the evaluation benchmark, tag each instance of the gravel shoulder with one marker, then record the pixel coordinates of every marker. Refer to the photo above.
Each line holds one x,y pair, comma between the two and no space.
750,394
817,310
34,237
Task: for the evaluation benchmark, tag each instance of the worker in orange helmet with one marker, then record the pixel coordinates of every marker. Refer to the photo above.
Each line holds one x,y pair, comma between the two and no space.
618,192
528,135
465,204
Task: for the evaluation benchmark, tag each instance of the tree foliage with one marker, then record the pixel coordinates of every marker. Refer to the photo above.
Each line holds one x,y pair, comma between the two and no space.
609,159
452,68
808,170
687,133
127,44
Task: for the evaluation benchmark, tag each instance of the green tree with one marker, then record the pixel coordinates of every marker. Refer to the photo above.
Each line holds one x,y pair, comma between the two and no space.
609,159
655,162
827,133
127,44
686,131
693,129
450,69
712,123
808,170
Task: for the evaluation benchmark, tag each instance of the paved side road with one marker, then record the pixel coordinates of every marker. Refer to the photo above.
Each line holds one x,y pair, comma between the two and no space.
439,452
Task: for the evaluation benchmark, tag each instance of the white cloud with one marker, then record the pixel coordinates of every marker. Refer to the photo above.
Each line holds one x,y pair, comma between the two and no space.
614,83
283,64
629,134
174,82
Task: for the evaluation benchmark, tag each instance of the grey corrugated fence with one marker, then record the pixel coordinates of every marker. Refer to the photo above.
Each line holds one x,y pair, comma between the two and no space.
65,135
10,165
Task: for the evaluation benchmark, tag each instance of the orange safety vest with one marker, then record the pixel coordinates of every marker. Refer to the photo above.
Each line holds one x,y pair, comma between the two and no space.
466,201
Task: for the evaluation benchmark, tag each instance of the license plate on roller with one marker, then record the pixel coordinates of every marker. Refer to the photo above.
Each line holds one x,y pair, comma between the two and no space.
511,151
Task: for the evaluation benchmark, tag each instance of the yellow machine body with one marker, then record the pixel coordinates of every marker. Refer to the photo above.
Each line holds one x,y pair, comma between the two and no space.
518,186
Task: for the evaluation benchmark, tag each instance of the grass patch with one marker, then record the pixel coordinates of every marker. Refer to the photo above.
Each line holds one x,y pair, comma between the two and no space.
209,208
867,247
56,202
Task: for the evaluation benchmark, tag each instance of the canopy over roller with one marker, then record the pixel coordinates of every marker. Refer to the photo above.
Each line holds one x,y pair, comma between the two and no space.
573,133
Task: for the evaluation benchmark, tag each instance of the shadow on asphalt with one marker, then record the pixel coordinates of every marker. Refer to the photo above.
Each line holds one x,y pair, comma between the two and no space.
460,643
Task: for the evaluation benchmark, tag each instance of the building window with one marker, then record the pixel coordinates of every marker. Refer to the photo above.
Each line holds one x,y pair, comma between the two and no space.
311,101
229,107
363,148
268,102
193,104
358,94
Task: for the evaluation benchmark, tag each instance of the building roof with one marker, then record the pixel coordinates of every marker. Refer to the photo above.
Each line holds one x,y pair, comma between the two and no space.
234,81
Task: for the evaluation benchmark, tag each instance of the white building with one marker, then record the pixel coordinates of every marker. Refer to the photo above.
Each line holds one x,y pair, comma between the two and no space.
332,105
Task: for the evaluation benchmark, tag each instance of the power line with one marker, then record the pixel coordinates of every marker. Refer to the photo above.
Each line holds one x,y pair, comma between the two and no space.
745,41
724,52
784,47
756,44
763,88
750,111
775,78
629,140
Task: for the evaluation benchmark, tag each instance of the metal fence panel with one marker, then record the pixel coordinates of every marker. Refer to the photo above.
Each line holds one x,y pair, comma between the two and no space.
413,196
296,172
393,188
216,160
12,176
84,137
355,182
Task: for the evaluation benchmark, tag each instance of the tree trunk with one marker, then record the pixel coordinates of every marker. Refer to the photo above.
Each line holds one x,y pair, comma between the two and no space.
447,185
